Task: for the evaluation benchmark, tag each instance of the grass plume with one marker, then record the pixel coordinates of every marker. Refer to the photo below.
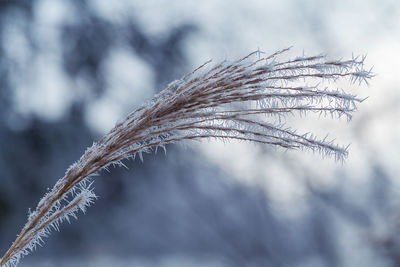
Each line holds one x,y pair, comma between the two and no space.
224,101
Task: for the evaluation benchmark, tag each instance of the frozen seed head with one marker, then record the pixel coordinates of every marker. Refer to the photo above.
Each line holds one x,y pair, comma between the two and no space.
247,99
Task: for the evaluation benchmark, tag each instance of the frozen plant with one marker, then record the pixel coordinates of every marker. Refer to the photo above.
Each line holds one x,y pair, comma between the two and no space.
224,101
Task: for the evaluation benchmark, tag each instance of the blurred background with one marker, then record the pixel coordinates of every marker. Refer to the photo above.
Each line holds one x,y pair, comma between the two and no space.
70,69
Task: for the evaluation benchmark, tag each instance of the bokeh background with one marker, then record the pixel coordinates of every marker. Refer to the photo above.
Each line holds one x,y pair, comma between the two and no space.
70,69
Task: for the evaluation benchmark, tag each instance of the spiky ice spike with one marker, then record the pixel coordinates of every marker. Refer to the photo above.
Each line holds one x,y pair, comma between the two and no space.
39,226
